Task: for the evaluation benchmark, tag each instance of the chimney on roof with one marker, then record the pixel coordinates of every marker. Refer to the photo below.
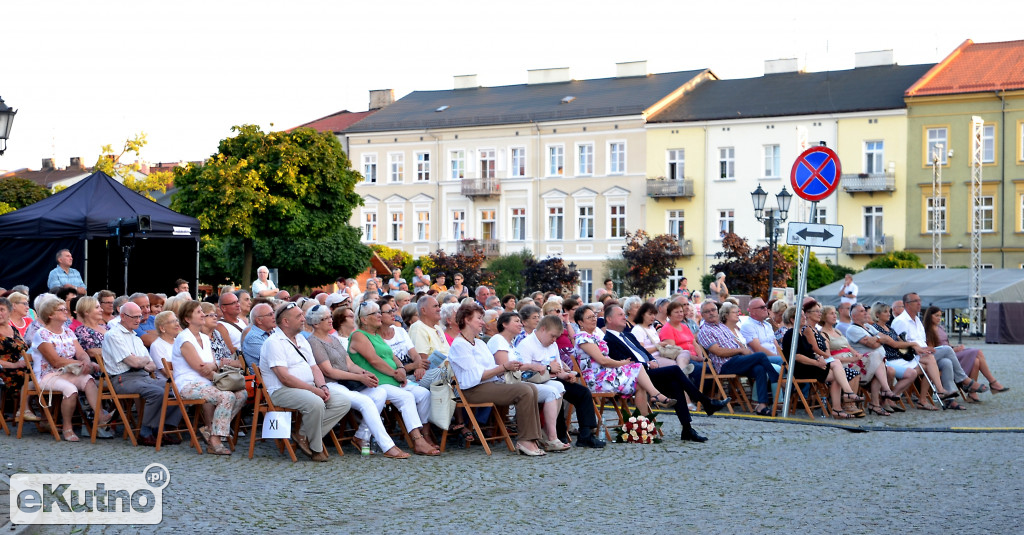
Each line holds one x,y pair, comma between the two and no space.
873,58
466,81
776,66
76,163
630,69
48,165
381,98
548,76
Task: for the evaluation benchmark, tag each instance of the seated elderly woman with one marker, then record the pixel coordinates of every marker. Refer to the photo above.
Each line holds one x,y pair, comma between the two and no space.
194,366
631,305
903,365
167,329
61,364
222,353
865,339
839,347
478,375
530,316
370,352
20,313
549,393
358,386
971,360
678,333
448,323
90,329
408,358
12,357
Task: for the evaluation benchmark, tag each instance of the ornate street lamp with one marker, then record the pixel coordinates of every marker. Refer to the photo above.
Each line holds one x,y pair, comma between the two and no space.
6,118
772,220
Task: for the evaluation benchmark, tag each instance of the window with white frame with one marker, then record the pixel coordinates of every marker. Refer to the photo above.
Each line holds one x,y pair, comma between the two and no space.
874,155
726,222
422,167
585,222
457,162
556,222
674,280
458,224
676,224
936,137
518,162
727,162
487,161
370,227
556,160
397,227
585,159
396,167
873,229
617,221
617,158
586,284
676,164
988,143
986,213
488,225
821,216
936,214
772,163
370,168
422,225
519,224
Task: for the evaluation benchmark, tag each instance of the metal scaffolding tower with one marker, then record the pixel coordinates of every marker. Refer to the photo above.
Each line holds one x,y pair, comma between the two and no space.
977,126
936,228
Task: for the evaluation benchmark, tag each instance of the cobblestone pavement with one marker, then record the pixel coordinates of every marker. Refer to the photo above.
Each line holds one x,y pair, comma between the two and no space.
753,476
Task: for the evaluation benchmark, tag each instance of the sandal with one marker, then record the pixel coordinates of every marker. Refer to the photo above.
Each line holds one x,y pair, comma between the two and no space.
431,451
998,390
219,449
879,410
894,408
852,396
890,395
973,397
69,435
205,431
400,455
662,402
972,386
763,411
922,406
841,415
948,395
954,406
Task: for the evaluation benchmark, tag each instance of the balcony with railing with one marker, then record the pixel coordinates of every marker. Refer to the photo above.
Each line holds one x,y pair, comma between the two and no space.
661,187
685,246
480,187
867,245
865,182
490,248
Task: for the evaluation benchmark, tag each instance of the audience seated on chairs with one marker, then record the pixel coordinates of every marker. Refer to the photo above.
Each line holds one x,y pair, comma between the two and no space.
12,357
294,381
970,359
866,339
194,365
129,366
839,348
261,321
729,354
407,358
952,374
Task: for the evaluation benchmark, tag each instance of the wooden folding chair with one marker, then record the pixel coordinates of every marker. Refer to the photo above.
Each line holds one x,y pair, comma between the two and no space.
262,405
809,405
105,387
172,398
600,399
738,394
3,417
31,388
499,424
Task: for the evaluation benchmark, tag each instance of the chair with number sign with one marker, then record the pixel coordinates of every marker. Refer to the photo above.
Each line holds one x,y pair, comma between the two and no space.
263,405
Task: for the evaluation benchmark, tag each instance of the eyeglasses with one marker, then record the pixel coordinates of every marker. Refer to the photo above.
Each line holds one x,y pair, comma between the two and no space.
129,316
759,308
62,309
235,302
912,301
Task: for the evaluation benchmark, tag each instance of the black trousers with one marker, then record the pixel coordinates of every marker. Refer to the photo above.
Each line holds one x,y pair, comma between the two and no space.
580,398
672,382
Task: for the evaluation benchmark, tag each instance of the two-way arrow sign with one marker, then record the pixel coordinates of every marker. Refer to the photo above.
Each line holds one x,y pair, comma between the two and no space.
815,235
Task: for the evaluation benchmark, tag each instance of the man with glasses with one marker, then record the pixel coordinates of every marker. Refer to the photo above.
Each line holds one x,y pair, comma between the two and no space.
910,325
128,364
106,301
262,320
231,324
729,356
759,332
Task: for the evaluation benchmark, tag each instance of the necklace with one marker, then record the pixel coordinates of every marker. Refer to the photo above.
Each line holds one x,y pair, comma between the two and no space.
471,342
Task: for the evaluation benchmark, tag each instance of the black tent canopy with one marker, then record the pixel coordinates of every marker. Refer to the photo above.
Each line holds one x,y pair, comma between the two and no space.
76,219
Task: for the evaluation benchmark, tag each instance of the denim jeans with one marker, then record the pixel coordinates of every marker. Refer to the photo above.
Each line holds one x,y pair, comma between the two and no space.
757,367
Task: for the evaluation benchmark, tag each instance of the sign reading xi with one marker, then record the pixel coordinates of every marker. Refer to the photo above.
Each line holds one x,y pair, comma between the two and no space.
815,173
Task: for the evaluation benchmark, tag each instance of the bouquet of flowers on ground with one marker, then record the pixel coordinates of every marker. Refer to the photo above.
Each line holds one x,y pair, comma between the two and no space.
637,429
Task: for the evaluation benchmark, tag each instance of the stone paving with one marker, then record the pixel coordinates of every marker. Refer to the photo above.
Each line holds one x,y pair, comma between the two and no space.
753,476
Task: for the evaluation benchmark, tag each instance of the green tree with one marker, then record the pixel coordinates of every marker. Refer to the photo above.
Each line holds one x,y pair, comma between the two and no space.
130,174
650,261
897,260
471,267
818,274
286,189
21,192
395,258
508,273
5,208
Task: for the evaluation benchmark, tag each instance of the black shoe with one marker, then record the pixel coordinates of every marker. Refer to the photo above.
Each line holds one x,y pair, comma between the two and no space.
588,439
692,436
716,405
171,439
147,441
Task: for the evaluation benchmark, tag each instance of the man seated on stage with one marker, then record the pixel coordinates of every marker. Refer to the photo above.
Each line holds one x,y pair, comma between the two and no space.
65,276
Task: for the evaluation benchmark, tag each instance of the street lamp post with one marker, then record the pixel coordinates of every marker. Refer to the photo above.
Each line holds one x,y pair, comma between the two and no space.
6,119
772,220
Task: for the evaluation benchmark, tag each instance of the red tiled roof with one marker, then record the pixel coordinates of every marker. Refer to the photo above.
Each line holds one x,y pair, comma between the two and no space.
336,122
974,68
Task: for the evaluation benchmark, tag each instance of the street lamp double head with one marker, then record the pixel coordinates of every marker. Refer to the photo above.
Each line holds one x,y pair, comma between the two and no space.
772,220
6,118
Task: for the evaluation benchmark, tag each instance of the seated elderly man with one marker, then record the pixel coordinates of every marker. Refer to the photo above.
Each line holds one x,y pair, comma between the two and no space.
147,327
261,320
129,365
759,333
730,355
65,276
294,381
231,324
909,324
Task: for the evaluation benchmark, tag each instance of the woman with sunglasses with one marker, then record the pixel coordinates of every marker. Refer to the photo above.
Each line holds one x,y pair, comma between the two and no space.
369,351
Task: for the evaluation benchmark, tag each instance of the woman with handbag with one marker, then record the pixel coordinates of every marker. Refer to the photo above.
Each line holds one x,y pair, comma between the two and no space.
358,386
675,332
194,368
61,364
839,348
221,348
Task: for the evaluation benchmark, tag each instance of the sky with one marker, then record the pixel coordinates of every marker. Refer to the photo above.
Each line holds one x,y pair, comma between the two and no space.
87,74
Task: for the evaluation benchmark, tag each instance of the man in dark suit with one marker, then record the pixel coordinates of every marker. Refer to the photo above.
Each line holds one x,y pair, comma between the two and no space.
669,380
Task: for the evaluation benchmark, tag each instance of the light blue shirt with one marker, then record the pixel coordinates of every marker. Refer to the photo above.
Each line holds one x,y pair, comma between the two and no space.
252,345
58,278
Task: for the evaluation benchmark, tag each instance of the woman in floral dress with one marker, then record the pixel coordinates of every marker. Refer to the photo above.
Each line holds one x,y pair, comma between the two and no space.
12,356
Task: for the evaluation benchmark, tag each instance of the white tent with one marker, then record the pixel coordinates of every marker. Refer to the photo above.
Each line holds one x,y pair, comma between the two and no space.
944,288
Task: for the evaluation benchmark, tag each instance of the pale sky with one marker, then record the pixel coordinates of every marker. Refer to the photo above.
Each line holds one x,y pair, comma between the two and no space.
86,74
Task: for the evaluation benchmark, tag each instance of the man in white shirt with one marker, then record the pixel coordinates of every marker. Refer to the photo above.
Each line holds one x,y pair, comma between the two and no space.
294,381
910,324
263,286
848,293
759,333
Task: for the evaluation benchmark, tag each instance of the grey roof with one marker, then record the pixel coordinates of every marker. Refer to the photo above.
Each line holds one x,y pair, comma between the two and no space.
511,104
796,93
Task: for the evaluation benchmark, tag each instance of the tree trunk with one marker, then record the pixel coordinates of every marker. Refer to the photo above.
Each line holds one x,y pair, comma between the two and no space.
247,268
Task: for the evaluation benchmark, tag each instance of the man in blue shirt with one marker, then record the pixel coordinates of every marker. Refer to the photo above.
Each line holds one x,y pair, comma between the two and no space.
65,276
262,322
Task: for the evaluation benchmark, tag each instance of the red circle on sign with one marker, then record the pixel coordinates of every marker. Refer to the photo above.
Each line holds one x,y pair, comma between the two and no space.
815,173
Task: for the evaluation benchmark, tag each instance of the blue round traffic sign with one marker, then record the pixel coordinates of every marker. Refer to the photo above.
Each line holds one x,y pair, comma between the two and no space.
815,173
